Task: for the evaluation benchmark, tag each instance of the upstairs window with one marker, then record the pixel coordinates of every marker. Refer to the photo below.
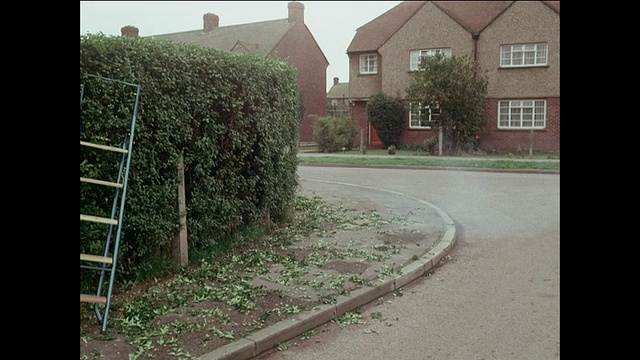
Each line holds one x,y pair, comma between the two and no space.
416,55
523,55
369,64
522,114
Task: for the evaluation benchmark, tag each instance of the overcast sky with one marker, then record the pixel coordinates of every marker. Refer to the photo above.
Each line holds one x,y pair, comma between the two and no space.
332,23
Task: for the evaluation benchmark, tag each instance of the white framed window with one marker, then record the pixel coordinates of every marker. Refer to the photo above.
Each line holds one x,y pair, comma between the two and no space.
522,114
416,55
523,55
369,64
419,116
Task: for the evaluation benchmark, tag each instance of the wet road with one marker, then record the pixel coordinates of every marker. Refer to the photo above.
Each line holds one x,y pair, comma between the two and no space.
499,296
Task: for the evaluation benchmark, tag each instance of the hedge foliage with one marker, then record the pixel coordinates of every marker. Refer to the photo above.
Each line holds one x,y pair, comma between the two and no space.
233,118
386,114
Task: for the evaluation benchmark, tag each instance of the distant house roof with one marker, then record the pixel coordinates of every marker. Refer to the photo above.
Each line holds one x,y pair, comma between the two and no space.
258,38
338,91
474,16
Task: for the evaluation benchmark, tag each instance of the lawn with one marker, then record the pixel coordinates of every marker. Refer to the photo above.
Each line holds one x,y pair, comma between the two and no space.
420,158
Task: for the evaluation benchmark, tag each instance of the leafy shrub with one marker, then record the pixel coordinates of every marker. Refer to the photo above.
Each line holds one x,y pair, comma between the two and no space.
386,114
431,145
333,133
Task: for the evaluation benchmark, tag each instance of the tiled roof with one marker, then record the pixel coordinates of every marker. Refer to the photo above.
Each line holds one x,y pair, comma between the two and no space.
555,5
338,91
472,15
257,38
374,33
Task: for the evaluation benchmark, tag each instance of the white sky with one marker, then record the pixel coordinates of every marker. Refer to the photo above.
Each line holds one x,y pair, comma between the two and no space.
332,23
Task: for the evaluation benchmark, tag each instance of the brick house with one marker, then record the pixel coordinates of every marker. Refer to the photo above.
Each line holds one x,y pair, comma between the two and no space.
287,39
338,98
517,42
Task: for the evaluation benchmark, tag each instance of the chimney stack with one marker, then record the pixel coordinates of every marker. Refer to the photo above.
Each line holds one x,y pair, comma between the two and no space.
211,21
335,80
296,12
129,31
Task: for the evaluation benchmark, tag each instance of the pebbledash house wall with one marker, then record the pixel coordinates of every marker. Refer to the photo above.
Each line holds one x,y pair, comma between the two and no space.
504,84
361,87
444,32
530,83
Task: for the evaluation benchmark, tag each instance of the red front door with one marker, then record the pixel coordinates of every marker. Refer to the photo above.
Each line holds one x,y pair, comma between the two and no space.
374,140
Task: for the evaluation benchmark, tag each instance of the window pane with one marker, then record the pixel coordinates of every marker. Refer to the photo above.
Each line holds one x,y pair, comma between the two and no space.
414,60
517,58
522,114
530,58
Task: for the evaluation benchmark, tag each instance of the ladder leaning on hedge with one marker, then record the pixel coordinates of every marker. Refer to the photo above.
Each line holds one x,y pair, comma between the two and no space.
108,260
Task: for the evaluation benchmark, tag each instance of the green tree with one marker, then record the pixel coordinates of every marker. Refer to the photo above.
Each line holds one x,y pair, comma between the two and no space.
386,114
453,91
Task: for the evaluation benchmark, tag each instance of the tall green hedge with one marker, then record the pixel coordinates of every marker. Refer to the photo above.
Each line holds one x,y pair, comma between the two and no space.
233,118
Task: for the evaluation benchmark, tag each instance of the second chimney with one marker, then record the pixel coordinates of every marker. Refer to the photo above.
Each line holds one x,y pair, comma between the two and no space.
296,12
335,80
211,21
129,31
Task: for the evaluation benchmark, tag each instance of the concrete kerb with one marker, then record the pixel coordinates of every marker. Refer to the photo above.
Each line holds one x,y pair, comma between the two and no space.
268,338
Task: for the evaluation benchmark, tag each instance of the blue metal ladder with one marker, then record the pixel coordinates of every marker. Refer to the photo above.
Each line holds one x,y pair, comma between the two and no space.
109,258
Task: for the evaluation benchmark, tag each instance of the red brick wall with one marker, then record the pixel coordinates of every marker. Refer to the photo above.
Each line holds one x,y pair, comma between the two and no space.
493,139
507,141
301,50
414,136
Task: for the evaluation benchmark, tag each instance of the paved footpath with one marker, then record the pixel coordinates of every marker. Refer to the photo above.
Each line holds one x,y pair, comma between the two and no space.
402,239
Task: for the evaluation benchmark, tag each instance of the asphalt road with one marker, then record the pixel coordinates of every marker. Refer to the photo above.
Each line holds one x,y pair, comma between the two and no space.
499,296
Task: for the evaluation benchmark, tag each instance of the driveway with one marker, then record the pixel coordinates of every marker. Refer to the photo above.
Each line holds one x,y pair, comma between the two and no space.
497,297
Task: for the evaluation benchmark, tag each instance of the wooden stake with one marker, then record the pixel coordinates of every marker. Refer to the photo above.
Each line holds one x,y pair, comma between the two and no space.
180,246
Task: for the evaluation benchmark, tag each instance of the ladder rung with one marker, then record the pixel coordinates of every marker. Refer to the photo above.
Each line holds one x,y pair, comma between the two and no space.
101,182
93,299
104,147
98,219
96,258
